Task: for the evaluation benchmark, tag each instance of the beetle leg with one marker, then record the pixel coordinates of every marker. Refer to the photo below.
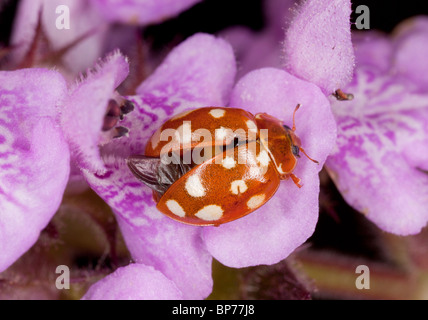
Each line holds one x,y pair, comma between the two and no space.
295,180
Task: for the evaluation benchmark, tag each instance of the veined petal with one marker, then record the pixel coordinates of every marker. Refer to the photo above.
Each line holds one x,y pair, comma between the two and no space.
83,111
289,218
34,158
199,72
142,12
134,282
318,45
382,149
377,92
175,249
390,192
152,238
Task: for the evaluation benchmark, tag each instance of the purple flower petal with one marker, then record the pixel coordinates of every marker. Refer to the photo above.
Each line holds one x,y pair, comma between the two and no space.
142,12
373,49
411,25
254,50
318,45
34,158
134,282
174,249
278,14
83,19
84,109
382,148
411,50
271,233
190,73
199,72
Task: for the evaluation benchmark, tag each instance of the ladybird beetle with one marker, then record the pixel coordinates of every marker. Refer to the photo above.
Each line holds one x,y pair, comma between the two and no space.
213,165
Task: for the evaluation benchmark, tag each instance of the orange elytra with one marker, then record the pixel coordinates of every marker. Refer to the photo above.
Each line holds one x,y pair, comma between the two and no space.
213,165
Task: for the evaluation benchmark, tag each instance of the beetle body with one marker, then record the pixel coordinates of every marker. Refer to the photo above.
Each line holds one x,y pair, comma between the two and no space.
235,162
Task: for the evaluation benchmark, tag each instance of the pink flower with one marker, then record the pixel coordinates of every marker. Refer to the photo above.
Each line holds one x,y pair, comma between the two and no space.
170,258
200,72
91,25
134,282
34,157
381,154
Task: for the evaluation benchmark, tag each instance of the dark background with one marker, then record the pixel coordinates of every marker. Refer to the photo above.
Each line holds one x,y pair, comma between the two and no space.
214,15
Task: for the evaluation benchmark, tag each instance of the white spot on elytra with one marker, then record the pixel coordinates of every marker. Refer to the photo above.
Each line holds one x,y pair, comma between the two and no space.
184,133
217,113
210,213
251,125
263,158
256,201
228,162
220,133
279,168
175,208
238,186
194,186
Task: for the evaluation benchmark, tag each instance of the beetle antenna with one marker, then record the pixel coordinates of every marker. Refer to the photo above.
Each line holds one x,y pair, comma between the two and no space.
303,151
294,115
